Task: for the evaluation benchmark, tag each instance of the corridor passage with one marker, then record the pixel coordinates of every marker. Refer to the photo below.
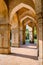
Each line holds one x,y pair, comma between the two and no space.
25,55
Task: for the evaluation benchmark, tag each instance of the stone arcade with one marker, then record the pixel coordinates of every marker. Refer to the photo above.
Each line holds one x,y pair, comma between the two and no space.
14,15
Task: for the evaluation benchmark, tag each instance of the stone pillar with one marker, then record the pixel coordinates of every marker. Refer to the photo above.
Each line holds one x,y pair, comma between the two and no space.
12,41
15,37
31,35
16,31
24,28
37,30
41,42
39,12
21,37
4,38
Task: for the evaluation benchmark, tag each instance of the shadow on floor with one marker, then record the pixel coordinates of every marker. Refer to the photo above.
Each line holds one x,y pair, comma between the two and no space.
24,56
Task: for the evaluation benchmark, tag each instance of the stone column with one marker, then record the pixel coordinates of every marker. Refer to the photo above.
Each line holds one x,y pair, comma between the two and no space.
21,37
31,35
15,37
39,12
37,30
16,31
24,28
12,41
4,38
40,42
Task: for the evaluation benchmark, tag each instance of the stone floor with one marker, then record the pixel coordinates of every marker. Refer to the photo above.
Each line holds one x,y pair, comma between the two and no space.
25,55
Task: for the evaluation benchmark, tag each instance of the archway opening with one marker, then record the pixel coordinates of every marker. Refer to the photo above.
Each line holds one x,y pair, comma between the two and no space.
29,35
17,18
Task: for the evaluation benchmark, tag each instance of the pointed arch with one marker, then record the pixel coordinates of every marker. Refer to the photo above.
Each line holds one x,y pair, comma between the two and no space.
18,7
28,17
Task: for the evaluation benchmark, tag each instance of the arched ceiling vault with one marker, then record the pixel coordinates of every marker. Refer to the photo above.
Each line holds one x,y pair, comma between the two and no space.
28,21
14,3
29,13
24,11
17,8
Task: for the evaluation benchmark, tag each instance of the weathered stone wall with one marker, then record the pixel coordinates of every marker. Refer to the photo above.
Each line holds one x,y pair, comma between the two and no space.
4,38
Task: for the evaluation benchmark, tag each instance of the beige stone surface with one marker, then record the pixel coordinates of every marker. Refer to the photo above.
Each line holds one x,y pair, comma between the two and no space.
19,10
5,38
25,55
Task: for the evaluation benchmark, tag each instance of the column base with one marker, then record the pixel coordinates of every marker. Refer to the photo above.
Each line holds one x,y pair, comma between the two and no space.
40,61
5,50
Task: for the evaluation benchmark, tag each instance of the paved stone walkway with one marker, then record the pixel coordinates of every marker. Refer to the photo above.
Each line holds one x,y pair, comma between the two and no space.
25,55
